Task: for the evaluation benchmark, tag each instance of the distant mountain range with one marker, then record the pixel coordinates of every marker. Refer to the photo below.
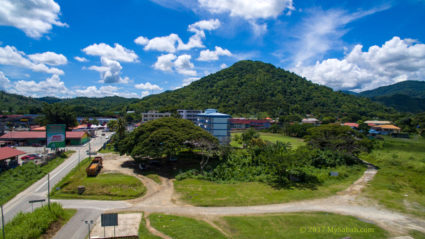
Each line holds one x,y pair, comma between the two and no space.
248,88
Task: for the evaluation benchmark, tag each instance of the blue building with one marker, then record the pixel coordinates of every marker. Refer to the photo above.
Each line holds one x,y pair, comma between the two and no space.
216,123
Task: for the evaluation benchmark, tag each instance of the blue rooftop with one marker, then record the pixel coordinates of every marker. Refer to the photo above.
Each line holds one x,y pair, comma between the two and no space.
213,112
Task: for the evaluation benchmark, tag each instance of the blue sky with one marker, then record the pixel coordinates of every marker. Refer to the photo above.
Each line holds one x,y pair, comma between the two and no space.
134,48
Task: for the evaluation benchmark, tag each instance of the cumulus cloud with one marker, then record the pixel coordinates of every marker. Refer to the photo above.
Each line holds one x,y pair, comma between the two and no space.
34,17
184,66
173,43
49,58
145,93
9,55
52,86
93,91
165,62
81,59
181,64
4,81
207,55
248,9
147,86
187,81
110,71
396,60
222,66
117,53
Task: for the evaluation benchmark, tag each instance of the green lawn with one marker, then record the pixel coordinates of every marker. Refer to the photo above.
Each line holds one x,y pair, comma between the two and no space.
143,231
299,225
38,224
183,227
206,193
295,142
155,177
14,181
108,149
111,186
399,183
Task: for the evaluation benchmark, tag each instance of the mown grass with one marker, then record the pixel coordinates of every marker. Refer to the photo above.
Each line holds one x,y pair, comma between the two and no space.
299,225
144,232
399,183
295,142
108,149
417,234
183,227
111,186
37,223
207,193
14,181
155,177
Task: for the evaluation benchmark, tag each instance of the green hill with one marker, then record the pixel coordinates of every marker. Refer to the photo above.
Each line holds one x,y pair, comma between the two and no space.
403,103
250,88
414,89
18,104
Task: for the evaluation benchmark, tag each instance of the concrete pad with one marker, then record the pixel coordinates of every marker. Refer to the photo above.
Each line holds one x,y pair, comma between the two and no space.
128,225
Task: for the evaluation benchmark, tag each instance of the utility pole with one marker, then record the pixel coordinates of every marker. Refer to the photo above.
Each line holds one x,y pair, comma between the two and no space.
89,150
2,222
88,224
48,190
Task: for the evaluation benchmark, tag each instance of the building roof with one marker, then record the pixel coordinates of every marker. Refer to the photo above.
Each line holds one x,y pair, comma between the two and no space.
7,152
39,135
388,126
377,122
213,113
248,121
41,128
310,120
352,125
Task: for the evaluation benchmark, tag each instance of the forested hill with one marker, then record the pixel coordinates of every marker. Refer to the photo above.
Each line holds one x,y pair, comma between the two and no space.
414,89
252,87
83,106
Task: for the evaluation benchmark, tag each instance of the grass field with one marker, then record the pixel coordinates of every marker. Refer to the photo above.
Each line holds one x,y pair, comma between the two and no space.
108,149
295,142
206,193
16,180
42,223
299,225
143,231
400,182
183,227
111,186
271,226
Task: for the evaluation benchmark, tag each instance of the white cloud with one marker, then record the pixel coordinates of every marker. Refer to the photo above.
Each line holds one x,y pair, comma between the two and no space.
165,62
49,58
173,43
147,86
187,81
397,60
181,64
117,53
207,55
110,71
81,59
222,66
4,81
320,33
184,66
93,91
9,55
52,86
248,9
145,93
34,17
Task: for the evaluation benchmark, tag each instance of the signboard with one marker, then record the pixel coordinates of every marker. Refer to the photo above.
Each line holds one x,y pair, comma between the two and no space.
110,219
55,135
34,201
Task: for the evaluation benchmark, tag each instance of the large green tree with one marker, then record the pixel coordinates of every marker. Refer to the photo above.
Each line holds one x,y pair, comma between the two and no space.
59,114
166,136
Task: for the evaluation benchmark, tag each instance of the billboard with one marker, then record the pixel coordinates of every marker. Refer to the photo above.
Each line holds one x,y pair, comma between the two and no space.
55,135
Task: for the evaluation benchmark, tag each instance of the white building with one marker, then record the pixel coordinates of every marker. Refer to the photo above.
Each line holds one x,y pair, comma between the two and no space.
153,115
216,123
191,115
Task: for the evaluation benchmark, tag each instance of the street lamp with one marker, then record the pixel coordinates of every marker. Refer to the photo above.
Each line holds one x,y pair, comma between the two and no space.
88,224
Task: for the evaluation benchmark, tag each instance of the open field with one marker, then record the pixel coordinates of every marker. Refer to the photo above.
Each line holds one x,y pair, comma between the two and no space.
292,225
14,181
206,193
108,186
144,232
399,183
183,227
295,142
42,223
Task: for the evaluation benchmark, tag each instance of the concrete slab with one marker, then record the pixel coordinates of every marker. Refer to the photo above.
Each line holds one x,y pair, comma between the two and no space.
128,225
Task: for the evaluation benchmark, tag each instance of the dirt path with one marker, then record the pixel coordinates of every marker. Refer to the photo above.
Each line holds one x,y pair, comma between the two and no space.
161,198
153,230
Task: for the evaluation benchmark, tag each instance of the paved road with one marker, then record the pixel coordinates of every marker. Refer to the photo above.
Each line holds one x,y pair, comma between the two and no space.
39,189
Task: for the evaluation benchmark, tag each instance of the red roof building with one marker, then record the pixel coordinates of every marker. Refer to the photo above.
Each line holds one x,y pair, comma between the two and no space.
248,123
39,137
7,153
352,125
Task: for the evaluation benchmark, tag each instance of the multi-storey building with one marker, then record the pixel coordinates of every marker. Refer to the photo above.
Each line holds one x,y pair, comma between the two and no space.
153,114
216,123
191,115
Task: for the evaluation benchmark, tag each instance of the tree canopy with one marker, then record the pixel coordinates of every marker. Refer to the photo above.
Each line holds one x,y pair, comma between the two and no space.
166,136
58,114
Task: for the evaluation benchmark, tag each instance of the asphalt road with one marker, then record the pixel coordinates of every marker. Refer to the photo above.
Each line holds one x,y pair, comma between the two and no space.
39,189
